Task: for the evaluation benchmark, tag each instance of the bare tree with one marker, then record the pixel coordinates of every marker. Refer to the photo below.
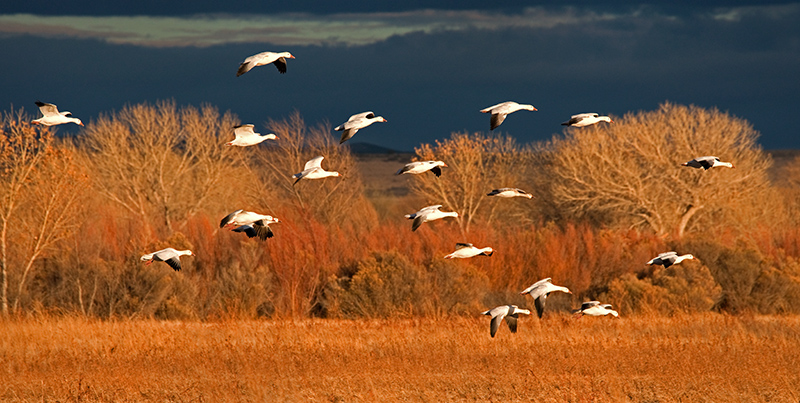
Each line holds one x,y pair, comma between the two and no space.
163,164
476,164
40,192
630,173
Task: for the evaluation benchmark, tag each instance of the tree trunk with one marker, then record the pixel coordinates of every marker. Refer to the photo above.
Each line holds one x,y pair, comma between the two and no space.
690,212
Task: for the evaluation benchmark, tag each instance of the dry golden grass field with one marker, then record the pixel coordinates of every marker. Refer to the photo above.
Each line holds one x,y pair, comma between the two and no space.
701,358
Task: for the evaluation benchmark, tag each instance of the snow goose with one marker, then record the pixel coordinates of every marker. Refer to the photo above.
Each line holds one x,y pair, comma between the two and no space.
246,136
595,308
467,250
707,162
252,224
501,110
313,170
357,122
419,167
264,58
586,119
540,290
429,213
169,256
509,193
509,312
667,259
51,116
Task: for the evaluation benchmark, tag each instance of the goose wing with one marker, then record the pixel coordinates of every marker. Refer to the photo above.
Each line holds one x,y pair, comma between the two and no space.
169,256
539,302
174,262
496,319
229,218
511,320
362,115
47,109
244,131
418,220
263,230
497,120
347,134
280,64
316,162
498,107
536,285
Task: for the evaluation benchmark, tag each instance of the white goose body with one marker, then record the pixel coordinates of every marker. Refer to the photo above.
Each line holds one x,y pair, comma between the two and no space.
51,116
501,110
313,170
252,224
707,163
169,256
467,250
246,136
539,292
264,58
419,167
508,312
508,193
668,259
429,213
586,119
357,122
595,308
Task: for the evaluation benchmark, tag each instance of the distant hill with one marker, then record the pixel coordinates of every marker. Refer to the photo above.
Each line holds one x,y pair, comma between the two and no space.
368,148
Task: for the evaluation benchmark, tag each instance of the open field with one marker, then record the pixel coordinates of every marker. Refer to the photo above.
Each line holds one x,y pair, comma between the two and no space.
702,358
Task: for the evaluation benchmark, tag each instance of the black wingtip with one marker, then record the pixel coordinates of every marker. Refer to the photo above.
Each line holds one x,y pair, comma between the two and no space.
40,103
437,171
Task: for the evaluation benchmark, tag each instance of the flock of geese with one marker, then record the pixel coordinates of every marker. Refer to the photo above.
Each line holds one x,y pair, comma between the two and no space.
256,225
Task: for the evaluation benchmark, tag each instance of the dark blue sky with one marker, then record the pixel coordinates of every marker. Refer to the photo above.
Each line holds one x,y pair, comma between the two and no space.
427,72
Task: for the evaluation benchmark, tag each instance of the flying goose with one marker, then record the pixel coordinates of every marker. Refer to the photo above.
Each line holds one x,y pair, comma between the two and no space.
429,213
313,170
357,122
667,259
264,58
707,162
586,119
595,308
51,116
419,167
539,292
509,312
501,110
467,250
252,224
169,256
509,193
246,136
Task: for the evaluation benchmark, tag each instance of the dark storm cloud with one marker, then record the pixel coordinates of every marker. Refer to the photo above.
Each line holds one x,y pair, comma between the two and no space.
431,83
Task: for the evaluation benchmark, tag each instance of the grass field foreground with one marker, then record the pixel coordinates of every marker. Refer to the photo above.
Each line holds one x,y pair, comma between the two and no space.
698,358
